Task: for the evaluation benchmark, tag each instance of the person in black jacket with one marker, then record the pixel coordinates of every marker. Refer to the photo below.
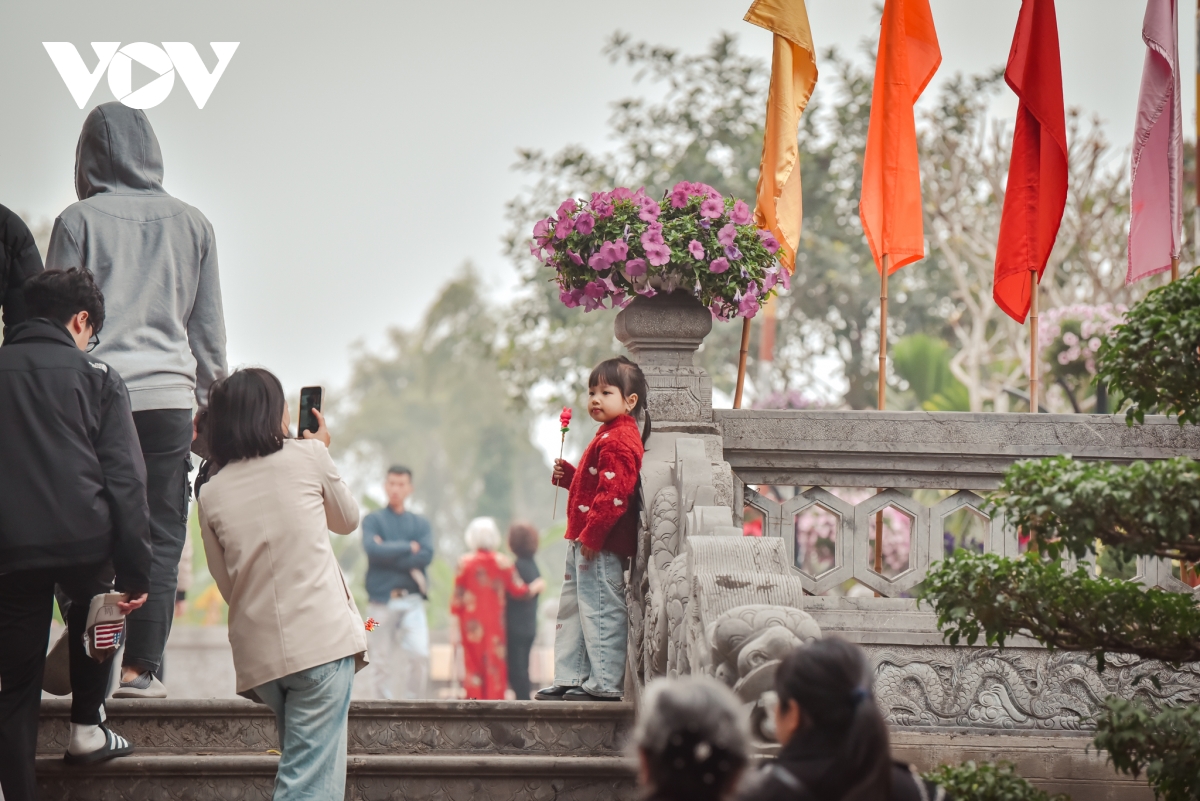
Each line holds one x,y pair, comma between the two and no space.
72,510
520,614
19,261
835,741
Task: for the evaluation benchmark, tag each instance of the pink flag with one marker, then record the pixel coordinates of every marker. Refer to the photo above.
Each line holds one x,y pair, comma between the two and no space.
1156,169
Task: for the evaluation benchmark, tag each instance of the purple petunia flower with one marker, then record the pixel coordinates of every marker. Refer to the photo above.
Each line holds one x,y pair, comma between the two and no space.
679,197
567,207
650,211
635,268
770,279
748,305
727,235
563,229
658,254
719,265
705,224
595,289
598,261
614,251
712,208
732,252
603,209
570,298
575,257
785,278
584,223
741,213
652,235
696,249
621,193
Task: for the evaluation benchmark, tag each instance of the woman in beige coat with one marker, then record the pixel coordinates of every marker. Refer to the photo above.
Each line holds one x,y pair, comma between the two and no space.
296,633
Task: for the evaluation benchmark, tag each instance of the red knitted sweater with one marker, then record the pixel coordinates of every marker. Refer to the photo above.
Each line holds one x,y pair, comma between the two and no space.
601,487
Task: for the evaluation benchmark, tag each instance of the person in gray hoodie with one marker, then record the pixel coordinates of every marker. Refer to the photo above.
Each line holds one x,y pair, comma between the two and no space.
155,259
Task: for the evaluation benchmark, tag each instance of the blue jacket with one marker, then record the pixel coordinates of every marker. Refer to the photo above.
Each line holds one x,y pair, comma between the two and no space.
389,563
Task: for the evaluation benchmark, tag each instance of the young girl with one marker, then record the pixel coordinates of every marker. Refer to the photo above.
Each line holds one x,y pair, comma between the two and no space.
589,641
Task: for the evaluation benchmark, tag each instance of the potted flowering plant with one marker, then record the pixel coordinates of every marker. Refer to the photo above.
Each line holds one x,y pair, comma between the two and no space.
623,243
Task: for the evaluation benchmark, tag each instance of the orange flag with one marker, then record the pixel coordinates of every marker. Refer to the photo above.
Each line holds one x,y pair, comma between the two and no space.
793,76
891,185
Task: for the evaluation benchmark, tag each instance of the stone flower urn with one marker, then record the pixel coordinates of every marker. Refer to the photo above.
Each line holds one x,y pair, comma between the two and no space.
662,334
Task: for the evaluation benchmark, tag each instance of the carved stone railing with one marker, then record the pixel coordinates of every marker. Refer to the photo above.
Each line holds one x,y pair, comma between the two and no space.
891,453
703,598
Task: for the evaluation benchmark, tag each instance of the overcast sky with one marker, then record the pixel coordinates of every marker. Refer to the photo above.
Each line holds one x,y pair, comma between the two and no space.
355,154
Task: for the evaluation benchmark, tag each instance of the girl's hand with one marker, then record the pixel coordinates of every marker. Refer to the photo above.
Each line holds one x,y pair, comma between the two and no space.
588,553
558,470
322,432
536,586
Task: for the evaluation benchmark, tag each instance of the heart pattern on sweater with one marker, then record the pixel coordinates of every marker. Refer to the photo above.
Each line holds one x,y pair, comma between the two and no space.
609,476
584,508
604,436
617,501
593,470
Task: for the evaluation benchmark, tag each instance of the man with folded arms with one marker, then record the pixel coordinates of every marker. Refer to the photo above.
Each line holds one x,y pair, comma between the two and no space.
72,509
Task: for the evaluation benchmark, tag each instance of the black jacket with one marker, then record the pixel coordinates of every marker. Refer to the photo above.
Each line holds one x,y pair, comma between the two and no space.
19,259
72,478
804,760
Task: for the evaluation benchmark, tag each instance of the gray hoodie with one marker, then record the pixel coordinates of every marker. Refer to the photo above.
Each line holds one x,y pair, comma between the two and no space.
154,257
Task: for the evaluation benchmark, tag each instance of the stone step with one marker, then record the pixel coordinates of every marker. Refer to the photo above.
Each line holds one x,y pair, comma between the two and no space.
377,728
369,778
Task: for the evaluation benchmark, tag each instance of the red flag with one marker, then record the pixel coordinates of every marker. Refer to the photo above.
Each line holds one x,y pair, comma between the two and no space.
1037,172
890,207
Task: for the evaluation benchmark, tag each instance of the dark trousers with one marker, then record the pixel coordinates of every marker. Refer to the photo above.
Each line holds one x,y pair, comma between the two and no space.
166,439
26,609
519,646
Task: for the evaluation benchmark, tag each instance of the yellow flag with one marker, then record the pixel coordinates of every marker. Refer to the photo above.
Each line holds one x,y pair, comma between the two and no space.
793,76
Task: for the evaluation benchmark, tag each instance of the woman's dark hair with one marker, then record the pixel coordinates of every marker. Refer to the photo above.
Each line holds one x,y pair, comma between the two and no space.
830,680
245,416
61,294
627,377
691,733
523,539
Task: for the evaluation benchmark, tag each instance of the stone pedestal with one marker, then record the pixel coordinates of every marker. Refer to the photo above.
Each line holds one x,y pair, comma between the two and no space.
662,334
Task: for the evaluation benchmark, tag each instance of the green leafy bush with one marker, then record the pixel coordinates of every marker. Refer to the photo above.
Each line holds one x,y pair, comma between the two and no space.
1166,745
1141,509
1152,356
991,597
988,781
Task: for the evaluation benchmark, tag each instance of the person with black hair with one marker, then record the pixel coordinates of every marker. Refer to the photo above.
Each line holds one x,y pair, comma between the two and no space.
690,740
266,510
72,510
603,505
834,739
19,261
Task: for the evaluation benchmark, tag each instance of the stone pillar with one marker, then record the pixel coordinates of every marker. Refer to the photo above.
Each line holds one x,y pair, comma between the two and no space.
662,334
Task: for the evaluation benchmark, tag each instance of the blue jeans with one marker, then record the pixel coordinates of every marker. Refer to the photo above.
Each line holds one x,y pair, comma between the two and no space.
310,709
593,624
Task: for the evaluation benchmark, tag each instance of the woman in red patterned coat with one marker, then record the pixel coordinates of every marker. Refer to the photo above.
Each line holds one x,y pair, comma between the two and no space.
483,581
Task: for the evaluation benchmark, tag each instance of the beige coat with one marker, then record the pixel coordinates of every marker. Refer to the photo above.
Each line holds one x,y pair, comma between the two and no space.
266,524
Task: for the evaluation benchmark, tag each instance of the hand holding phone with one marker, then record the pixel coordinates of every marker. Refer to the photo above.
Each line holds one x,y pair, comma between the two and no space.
322,432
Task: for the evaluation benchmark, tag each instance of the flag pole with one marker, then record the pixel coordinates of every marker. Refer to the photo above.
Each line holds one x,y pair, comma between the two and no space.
1033,341
883,344
741,379
1174,268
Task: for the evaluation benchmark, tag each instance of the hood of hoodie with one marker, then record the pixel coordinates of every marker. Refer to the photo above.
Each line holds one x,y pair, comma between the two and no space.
117,152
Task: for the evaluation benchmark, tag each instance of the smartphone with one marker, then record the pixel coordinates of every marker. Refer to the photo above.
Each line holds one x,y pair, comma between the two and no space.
310,398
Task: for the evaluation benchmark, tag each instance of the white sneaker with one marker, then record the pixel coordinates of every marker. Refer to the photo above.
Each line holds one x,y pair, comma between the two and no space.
145,685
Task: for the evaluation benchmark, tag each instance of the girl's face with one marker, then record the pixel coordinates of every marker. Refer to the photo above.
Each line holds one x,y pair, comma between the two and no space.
605,403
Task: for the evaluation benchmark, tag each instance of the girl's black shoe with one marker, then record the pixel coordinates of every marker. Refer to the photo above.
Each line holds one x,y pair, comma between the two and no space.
554,692
580,694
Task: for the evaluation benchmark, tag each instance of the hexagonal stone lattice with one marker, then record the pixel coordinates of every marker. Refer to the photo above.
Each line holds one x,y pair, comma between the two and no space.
897,541
966,528
816,529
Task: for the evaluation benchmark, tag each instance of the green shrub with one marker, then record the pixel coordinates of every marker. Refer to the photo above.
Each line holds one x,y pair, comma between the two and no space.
987,781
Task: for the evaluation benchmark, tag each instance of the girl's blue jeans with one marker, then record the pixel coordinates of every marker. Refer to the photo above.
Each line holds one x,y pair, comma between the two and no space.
311,707
593,625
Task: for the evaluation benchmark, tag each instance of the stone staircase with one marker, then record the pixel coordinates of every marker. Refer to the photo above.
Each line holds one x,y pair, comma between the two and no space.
198,750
